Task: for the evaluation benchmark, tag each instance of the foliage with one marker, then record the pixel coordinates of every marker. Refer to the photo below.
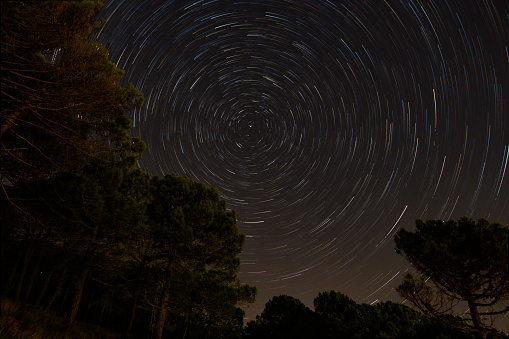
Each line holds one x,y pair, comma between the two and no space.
466,261
167,244
283,317
338,316
62,102
346,318
80,226
342,315
189,264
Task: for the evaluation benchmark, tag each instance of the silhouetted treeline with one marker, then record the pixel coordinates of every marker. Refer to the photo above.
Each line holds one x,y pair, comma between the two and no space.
338,316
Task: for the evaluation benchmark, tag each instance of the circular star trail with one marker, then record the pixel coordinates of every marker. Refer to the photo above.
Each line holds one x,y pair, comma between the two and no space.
326,125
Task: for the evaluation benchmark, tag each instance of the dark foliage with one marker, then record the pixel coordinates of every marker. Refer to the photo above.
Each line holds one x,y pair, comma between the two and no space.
83,233
465,261
338,316
284,317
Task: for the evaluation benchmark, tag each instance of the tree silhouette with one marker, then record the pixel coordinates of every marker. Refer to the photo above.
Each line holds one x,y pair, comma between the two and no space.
284,317
466,261
338,316
62,101
193,251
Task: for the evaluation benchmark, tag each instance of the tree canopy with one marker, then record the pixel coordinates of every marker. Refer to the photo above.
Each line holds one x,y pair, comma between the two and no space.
79,223
338,316
62,100
464,260
283,317
194,247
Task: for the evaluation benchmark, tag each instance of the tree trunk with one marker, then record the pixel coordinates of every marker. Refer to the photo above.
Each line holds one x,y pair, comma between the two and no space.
45,286
161,311
7,287
476,320
57,290
23,271
137,293
132,314
33,276
15,268
161,314
78,291
102,315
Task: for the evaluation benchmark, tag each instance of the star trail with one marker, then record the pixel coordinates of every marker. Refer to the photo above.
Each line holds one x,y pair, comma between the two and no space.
326,125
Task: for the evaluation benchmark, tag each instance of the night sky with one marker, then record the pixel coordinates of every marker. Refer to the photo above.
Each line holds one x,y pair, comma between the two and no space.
326,125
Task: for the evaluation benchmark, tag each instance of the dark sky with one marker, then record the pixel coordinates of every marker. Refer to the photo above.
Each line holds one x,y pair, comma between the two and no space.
326,125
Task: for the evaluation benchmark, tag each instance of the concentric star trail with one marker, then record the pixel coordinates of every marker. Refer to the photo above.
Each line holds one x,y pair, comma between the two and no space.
327,125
